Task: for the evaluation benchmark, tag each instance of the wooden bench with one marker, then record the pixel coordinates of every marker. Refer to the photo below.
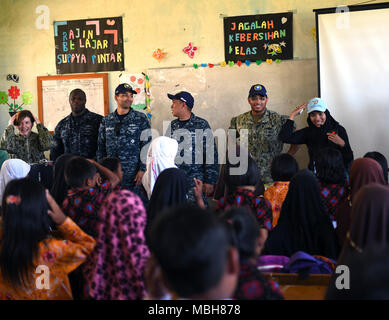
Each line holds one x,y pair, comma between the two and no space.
295,288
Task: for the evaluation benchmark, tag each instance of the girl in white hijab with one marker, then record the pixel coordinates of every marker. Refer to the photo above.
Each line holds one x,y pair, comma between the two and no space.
160,156
10,170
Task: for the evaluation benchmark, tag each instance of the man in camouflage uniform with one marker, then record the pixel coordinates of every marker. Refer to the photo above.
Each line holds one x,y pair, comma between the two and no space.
197,153
120,137
77,133
263,127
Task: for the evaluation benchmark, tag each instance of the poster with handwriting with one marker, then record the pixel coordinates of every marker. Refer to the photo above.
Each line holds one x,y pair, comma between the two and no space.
258,37
90,45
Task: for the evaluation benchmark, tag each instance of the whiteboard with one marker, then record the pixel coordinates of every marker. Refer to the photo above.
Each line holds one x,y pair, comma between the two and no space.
220,93
354,74
53,96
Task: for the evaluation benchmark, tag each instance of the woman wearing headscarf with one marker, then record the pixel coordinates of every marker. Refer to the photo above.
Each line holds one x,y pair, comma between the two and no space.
322,131
160,156
363,172
10,170
370,224
169,190
303,224
115,269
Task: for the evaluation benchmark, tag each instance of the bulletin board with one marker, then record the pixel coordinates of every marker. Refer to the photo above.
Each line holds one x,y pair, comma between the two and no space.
53,95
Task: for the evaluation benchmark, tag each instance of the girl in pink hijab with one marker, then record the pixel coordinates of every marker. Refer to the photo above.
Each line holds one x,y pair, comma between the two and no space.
116,267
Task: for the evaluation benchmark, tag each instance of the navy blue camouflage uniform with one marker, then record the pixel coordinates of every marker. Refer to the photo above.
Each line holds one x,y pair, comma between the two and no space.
199,163
77,135
122,139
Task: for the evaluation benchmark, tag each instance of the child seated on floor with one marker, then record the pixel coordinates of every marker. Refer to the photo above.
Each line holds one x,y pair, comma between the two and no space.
195,255
25,230
283,168
249,241
87,192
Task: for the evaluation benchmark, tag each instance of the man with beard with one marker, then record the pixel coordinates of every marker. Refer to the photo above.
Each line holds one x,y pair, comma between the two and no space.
263,126
120,137
77,133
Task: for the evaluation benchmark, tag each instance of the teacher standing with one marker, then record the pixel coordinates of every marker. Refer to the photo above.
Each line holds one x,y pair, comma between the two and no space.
322,131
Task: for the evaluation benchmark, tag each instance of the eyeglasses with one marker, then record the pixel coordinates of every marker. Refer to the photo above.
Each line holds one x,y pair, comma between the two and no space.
118,126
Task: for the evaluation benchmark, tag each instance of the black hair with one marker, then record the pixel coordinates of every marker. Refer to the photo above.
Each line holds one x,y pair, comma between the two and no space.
283,167
330,166
77,91
249,178
78,170
25,223
380,158
244,225
60,188
23,114
191,245
111,163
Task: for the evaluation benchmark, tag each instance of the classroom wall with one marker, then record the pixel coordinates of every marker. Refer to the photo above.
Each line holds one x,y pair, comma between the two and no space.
166,24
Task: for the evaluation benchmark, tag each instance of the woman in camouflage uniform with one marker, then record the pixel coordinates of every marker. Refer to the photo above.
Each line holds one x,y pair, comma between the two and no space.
26,145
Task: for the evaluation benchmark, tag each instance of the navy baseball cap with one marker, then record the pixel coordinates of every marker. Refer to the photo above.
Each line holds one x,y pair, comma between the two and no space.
123,88
183,96
257,89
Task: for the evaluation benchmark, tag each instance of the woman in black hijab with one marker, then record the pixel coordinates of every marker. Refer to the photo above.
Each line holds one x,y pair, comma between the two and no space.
322,131
303,224
169,190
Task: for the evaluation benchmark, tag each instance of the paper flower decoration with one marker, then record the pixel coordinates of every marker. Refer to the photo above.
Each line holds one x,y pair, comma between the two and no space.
14,92
3,97
258,62
223,64
278,60
203,65
269,61
231,63
239,63
195,65
190,50
247,62
159,54
27,97
211,65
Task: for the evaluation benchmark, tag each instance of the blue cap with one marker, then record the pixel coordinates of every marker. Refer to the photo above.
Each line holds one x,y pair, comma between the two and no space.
316,104
257,89
183,96
123,88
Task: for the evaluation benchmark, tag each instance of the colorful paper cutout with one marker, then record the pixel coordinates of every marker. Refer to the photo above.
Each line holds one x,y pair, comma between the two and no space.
278,60
195,65
239,63
27,97
190,50
159,54
223,64
231,63
210,65
258,62
269,61
247,62
14,92
3,97
203,65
